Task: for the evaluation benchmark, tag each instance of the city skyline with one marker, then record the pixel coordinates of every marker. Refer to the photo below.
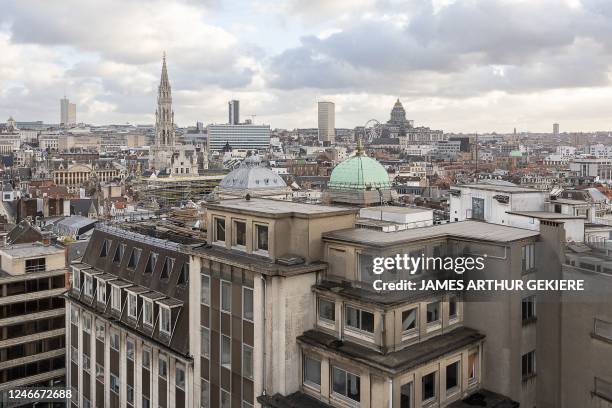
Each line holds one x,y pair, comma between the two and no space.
527,71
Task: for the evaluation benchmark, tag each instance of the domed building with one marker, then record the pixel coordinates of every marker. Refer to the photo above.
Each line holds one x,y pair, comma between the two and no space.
254,179
359,180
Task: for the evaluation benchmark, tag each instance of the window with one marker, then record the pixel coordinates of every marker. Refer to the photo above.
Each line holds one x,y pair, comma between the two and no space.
130,395
164,320
220,229
433,312
87,322
406,396
428,384
528,308
74,316
180,377
225,399
145,402
365,268
603,329
101,292
239,233
119,251
359,319
163,366
88,285
86,403
312,372
247,303
100,330
99,373
130,349
146,358
205,341
452,308
346,384
247,361
116,298
132,305
603,389
409,320
134,258
452,376
205,394
205,290
147,312
76,279
183,278
105,248
114,341
35,265
226,296
528,364
151,262
327,310
167,269
74,355
226,352
473,366
114,383
528,257
261,237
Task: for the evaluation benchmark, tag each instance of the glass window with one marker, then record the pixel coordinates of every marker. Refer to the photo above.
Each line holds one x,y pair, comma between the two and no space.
147,312
163,366
164,320
100,330
74,315
88,285
528,257
205,394
167,269
262,237
452,376
116,298
247,303
114,383
226,352
346,384
433,312
74,355
247,361
327,310
428,387
146,358
528,308
86,362
130,347
359,319
205,291
225,399
239,233
76,281
180,376
219,229
132,305
312,372
365,268
114,341
409,319
130,395
101,292
134,258
99,373
87,322
406,396
226,296
86,403
452,308
473,366
528,364
151,262
205,341
145,402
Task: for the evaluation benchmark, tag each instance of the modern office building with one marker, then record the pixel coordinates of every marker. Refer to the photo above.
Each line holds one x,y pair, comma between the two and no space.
233,112
67,112
555,129
327,122
32,336
241,136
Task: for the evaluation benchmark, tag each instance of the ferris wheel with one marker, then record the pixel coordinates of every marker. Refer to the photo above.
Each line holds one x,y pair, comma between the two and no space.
372,130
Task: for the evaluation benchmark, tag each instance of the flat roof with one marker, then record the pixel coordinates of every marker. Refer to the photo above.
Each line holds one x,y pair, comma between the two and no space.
474,230
279,208
398,210
501,188
29,250
546,215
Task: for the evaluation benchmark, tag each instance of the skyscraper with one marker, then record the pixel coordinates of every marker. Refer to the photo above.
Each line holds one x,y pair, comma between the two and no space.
555,128
234,112
164,115
67,112
327,122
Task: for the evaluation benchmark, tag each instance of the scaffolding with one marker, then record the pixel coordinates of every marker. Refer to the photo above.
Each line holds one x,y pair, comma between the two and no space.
169,191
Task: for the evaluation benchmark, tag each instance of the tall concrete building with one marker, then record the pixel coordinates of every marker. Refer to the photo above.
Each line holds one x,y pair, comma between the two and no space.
67,112
32,334
555,129
233,112
327,122
242,136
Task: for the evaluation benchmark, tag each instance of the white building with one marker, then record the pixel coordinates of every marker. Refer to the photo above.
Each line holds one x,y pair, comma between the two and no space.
327,122
243,136
67,112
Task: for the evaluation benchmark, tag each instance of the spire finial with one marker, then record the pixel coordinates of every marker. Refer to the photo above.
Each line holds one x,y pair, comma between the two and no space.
164,55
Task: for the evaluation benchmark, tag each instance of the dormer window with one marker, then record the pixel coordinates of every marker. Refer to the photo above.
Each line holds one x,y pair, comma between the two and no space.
134,258
132,305
119,251
164,320
184,275
147,312
151,262
167,270
116,298
105,248
409,320
76,279
88,284
240,233
219,230
261,237
101,293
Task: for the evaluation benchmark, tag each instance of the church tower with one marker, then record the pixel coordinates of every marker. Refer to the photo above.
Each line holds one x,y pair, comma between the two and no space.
164,115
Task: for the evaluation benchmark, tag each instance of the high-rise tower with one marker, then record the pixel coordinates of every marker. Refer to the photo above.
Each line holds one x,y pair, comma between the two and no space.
164,115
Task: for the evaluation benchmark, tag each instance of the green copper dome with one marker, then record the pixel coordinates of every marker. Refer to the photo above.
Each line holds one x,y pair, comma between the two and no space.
359,173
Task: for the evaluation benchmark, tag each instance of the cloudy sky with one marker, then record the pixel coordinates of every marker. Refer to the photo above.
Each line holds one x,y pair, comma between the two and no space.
457,65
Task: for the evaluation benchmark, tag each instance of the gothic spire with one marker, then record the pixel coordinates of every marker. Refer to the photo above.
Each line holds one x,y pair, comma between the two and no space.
164,116
164,74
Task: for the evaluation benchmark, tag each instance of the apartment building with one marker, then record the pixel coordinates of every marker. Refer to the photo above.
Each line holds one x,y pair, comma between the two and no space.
32,346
